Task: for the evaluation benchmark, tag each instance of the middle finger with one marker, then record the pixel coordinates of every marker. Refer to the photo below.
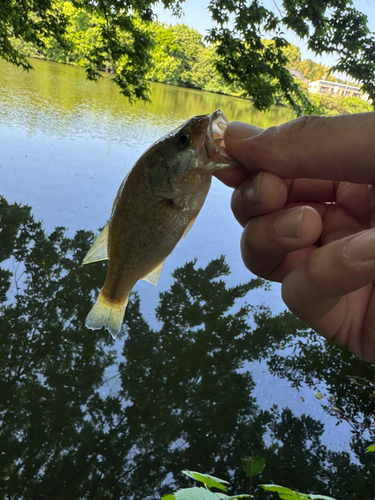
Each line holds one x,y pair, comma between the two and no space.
264,193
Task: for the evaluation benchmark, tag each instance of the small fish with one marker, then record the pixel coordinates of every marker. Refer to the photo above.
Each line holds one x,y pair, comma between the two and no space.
155,207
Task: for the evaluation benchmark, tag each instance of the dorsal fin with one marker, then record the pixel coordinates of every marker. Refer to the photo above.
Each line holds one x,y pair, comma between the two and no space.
99,250
154,275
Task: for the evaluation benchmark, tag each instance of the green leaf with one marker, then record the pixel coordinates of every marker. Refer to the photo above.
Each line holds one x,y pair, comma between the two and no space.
371,448
168,497
288,494
195,494
320,497
209,481
223,496
284,493
254,466
202,494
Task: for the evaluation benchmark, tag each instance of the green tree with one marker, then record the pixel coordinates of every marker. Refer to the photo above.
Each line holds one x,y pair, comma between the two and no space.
166,67
329,27
176,56
312,70
116,36
180,57
331,105
293,55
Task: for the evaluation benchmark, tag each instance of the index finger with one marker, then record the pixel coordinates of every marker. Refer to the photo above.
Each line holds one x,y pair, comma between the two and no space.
338,148
233,176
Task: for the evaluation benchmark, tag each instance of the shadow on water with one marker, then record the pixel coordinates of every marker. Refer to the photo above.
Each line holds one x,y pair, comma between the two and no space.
182,400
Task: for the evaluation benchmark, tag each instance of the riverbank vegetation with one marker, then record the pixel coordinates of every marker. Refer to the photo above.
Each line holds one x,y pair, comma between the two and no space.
235,57
330,105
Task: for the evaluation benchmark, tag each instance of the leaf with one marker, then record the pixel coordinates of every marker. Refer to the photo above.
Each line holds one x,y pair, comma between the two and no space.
195,494
209,481
223,496
320,497
240,496
288,494
168,497
254,466
371,448
284,493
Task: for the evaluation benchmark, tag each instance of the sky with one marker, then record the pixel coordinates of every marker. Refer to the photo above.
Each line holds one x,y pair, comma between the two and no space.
197,16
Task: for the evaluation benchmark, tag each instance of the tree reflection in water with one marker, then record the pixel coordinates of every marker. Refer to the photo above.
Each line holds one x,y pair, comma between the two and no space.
182,403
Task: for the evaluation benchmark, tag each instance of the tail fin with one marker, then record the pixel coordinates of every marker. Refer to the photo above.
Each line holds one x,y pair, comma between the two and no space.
105,314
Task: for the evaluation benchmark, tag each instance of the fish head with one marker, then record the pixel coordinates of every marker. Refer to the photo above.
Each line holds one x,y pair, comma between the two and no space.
189,153
203,137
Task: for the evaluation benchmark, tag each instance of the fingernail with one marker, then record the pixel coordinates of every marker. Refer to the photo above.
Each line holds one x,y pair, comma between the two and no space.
253,189
362,247
289,223
240,130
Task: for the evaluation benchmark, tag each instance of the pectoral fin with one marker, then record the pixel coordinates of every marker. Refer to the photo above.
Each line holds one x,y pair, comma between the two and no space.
99,250
154,276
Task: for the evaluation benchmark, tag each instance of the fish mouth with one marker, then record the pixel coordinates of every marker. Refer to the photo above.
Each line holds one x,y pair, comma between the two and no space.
214,140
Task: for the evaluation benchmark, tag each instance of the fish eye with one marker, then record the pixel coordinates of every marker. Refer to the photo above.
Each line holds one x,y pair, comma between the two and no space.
183,138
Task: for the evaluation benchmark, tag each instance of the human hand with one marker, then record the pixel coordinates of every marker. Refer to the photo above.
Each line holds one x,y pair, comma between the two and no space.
306,200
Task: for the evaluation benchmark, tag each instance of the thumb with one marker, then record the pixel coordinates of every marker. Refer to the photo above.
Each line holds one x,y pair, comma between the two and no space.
338,148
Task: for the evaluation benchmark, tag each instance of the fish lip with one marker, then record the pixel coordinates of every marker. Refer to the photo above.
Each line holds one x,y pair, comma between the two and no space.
214,140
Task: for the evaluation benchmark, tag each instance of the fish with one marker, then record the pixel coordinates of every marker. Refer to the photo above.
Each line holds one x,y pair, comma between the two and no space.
155,207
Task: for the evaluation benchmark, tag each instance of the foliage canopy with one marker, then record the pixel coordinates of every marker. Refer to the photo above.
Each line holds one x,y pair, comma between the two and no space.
119,35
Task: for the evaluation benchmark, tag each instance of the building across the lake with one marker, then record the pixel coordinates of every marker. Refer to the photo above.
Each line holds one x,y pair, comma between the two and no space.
336,89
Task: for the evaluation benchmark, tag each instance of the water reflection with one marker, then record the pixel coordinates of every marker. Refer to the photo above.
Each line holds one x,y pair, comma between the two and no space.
184,397
57,99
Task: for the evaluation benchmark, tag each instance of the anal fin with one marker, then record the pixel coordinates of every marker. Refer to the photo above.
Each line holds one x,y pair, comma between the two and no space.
153,276
99,250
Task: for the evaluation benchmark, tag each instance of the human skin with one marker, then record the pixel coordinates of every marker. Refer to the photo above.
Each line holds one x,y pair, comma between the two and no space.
305,197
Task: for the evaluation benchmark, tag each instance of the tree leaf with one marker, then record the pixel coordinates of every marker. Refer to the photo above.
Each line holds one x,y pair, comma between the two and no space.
254,466
288,494
209,481
284,493
170,496
195,494
223,496
371,448
320,497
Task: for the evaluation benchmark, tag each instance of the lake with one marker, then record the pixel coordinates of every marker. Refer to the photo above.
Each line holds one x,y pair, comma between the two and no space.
209,370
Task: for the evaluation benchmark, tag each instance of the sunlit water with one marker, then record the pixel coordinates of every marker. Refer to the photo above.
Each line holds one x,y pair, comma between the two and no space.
66,145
